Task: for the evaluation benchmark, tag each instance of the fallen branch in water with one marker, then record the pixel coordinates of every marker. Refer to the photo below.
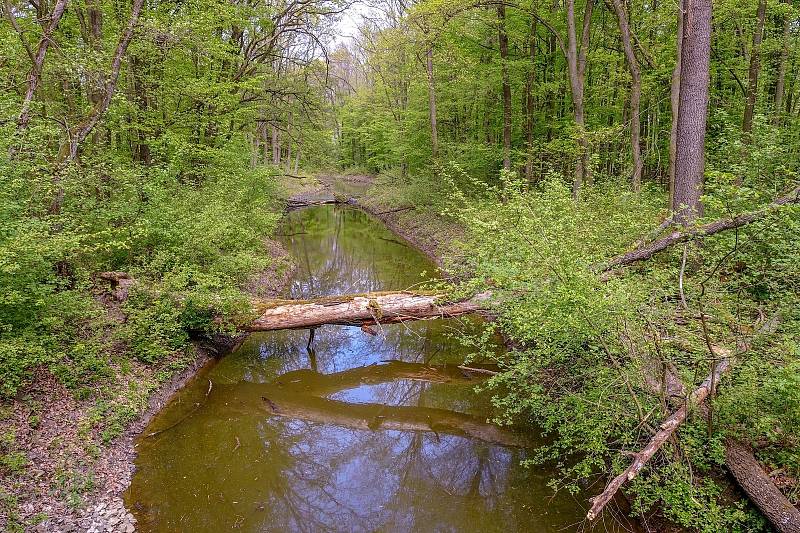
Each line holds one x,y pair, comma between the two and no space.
479,370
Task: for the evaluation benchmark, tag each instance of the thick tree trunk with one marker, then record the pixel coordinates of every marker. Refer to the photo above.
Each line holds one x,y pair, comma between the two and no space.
674,100
357,310
760,488
752,76
780,84
503,40
432,103
276,147
692,110
636,93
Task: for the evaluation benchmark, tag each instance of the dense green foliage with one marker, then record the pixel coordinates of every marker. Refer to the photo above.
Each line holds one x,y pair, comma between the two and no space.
170,186
591,351
175,183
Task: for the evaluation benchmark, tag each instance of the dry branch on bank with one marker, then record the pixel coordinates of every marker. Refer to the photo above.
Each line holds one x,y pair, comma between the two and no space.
666,429
649,250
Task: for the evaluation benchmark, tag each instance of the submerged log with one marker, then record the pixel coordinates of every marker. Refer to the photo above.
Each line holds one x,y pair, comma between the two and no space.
360,309
373,416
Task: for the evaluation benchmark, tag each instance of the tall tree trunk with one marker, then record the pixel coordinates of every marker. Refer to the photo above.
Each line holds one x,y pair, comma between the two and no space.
35,74
529,107
276,146
636,93
752,76
576,63
503,40
692,110
432,103
674,99
781,81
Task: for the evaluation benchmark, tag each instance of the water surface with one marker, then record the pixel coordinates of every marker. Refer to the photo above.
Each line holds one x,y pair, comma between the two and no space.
363,431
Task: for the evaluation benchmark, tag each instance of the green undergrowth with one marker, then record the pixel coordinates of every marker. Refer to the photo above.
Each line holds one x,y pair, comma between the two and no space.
589,350
191,247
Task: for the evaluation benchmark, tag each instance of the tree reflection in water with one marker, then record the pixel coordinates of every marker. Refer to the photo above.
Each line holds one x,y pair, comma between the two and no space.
361,433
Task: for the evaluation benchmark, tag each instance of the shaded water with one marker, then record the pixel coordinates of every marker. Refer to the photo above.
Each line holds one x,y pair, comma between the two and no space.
360,433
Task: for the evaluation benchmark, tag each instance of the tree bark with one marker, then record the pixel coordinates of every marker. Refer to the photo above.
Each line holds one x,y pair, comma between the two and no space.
503,40
276,147
432,103
760,488
636,94
576,68
780,83
692,111
674,100
529,103
357,310
752,77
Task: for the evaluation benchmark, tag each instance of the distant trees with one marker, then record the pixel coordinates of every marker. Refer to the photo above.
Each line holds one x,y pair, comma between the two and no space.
496,94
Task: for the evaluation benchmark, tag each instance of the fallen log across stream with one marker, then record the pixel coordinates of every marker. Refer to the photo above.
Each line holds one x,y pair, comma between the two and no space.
360,309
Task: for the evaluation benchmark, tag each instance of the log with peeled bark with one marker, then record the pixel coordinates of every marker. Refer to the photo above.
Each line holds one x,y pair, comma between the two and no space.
359,310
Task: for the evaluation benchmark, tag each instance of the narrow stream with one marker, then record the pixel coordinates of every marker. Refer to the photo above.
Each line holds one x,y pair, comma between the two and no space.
361,432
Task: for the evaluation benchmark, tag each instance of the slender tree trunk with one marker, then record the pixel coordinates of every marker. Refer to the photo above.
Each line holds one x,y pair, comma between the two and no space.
674,100
692,110
503,40
79,133
529,104
576,66
781,81
276,146
752,77
432,103
35,74
636,93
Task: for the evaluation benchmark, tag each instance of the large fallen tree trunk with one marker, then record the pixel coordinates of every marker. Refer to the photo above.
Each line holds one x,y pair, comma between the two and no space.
359,310
759,487
649,250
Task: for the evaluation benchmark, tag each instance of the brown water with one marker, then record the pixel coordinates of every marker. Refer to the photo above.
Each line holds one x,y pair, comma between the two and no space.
360,433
